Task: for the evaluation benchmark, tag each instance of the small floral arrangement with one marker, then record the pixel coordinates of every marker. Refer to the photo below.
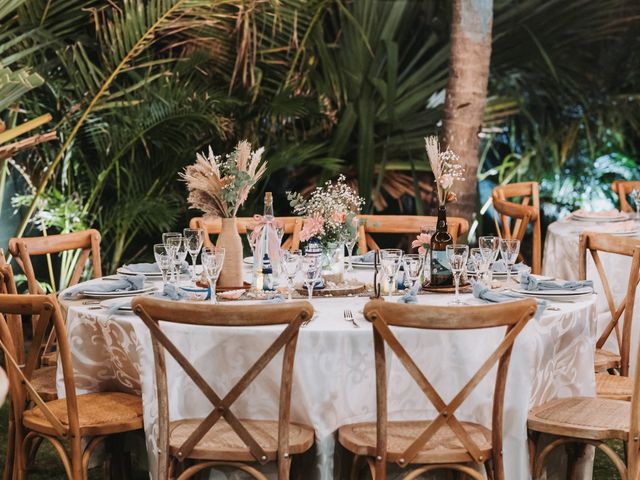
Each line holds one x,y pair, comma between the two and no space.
446,169
219,185
422,243
331,212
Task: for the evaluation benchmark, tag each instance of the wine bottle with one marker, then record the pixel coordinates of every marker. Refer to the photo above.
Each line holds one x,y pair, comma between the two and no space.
441,274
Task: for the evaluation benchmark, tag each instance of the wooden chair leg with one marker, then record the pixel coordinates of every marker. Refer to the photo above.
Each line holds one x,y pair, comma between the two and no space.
574,452
490,472
9,461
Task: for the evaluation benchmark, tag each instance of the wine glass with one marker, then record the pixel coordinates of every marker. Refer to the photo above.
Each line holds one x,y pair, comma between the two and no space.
480,264
390,259
193,239
172,241
458,256
311,269
164,259
180,257
413,264
290,265
635,195
509,249
489,246
212,260
350,241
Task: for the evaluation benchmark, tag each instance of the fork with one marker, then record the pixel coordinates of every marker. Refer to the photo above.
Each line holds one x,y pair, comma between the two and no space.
348,316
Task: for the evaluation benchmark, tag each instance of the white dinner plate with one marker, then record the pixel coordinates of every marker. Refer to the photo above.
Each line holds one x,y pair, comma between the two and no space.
124,293
248,260
123,304
556,295
619,218
357,262
126,271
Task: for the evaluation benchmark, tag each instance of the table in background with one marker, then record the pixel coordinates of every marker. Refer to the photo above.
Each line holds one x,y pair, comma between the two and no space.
334,378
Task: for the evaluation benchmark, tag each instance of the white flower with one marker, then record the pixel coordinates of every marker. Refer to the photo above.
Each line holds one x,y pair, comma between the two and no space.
446,181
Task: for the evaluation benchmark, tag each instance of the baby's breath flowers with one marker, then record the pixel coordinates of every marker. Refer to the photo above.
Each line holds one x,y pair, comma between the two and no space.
446,169
331,211
220,185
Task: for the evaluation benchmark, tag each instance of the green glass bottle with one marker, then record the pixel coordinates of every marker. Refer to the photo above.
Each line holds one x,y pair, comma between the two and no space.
441,274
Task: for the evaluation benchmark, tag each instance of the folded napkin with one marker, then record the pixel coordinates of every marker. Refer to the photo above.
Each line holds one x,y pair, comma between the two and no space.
121,284
115,306
500,267
278,298
152,267
482,292
171,292
531,283
411,295
368,257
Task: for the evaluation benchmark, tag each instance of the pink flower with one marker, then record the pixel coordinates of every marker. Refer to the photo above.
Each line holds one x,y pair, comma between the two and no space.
422,243
312,227
339,217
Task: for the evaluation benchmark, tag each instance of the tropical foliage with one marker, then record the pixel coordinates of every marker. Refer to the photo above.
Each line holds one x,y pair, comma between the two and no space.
327,86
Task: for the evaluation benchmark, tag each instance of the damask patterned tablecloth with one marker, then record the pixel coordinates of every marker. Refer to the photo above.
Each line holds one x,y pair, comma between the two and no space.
561,260
334,379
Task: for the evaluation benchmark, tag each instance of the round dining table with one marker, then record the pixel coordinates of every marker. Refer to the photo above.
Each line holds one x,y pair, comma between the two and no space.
562,260
334,374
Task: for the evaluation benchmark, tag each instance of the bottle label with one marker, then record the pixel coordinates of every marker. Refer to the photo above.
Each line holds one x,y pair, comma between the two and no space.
440,268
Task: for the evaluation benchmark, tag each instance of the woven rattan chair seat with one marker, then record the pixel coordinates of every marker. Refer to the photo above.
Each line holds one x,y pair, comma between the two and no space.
444,447
101,413
615,387
582,417
44,381
222,442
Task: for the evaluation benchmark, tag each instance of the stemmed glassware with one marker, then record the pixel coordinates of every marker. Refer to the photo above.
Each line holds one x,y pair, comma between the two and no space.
390,260
635,195
290,264
311,268
350,241
164,259
179,259
480,264
172,241
490,247
212,260
509,249
193,239
413,264
458,256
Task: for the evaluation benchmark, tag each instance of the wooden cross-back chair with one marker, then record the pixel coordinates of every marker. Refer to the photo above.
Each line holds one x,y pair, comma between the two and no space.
86,242
92,417
597,243
221,438
402,224
445,442
212,226
623,189
515,216
582,421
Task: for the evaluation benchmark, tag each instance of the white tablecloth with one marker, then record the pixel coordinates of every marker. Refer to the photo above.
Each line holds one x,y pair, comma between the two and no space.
334,381
561,260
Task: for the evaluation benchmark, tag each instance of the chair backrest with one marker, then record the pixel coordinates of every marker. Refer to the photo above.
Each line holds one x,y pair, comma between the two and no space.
383,315
46,308
402,224
520,203
596,243
86,243
290,314
213,226
8,287
623,188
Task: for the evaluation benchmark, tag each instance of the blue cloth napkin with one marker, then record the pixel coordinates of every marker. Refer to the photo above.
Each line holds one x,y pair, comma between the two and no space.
152,267
482,292
121,284
531,283
171,292
500,267
411,295
115,307
368,257
278,298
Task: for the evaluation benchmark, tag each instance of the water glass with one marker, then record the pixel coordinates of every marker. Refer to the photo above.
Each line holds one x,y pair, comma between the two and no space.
509,249
490,247
457,256
173,242
212,261
479,263
193,240
390,260
311,269
413,265
290,265
164,259
179,259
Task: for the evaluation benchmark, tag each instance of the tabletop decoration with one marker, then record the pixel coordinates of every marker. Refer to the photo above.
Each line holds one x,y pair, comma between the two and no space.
219,185
331,218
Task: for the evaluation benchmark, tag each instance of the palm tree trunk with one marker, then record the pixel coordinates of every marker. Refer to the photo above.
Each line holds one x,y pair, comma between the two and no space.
467,93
